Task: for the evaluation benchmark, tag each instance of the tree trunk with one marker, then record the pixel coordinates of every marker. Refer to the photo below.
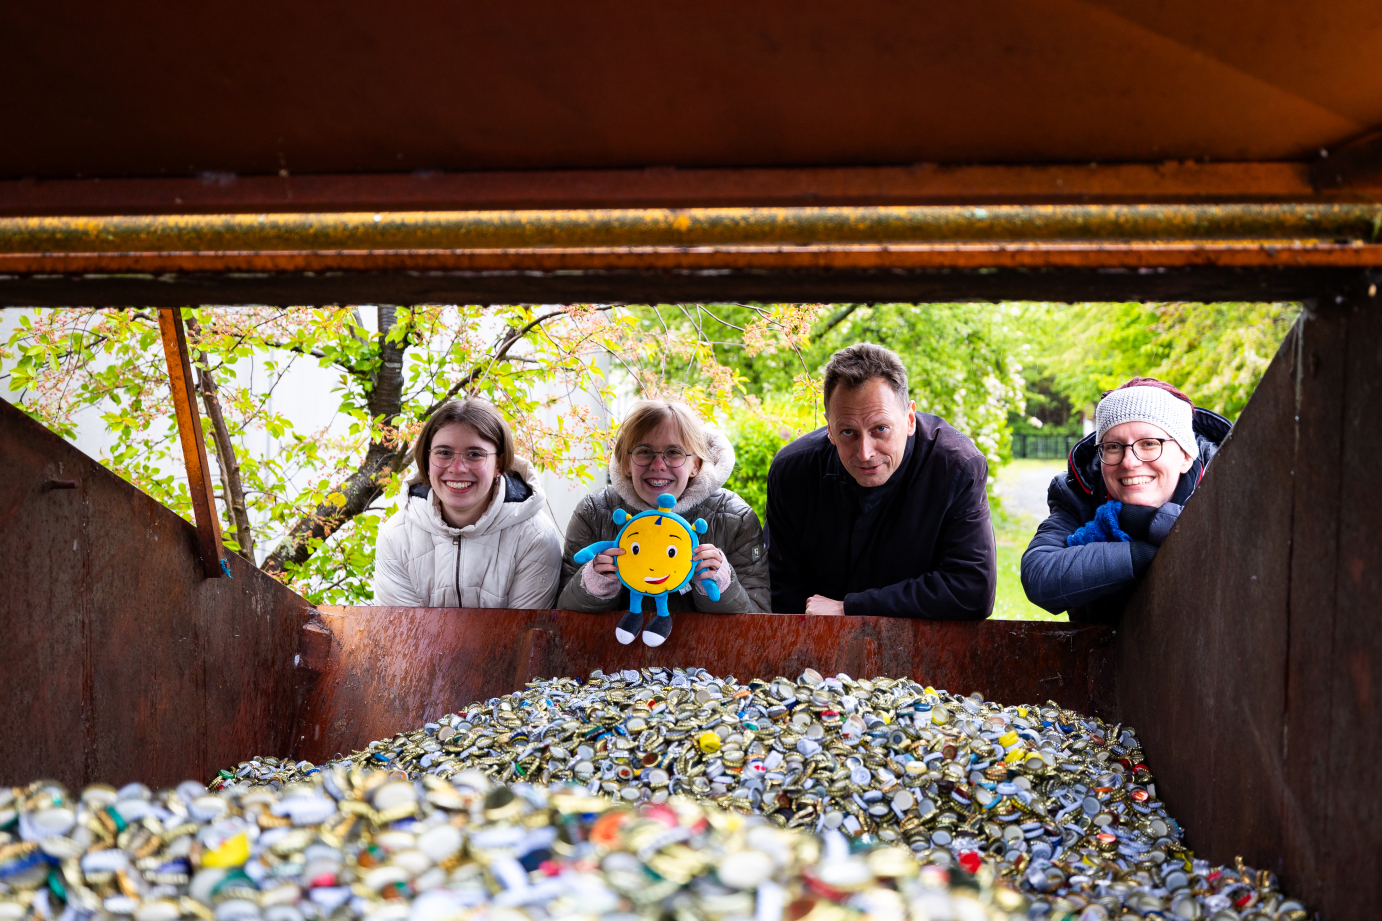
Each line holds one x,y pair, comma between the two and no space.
232,485
385,399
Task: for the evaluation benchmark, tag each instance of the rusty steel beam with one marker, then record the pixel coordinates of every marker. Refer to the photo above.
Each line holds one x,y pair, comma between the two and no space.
918,184
193,443
856,257
697,227
387,670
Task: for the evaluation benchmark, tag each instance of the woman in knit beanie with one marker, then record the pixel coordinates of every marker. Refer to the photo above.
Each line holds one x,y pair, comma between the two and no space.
1124,489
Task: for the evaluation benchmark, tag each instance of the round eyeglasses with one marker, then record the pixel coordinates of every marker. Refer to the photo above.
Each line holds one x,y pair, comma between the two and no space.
471,457
673,457
1144,449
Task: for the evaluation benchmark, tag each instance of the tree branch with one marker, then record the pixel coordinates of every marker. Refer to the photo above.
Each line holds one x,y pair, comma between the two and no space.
232,484
839,317
362,487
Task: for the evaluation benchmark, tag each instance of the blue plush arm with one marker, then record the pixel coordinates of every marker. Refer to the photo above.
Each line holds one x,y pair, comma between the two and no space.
712,589
586,554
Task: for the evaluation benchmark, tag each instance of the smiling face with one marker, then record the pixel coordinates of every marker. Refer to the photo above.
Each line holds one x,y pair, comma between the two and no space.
657,554
869,427
1139,482
657,478
462,488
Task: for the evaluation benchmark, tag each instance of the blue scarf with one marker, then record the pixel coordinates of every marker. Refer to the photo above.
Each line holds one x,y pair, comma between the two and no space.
1104,527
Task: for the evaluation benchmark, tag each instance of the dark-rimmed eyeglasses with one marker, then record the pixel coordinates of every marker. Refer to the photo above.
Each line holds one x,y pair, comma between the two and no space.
673,457
1144,449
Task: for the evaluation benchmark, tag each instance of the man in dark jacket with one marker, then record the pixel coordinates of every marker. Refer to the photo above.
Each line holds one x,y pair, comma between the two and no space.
883,512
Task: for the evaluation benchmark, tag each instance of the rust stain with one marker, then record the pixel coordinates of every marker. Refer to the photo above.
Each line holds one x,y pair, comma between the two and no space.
489,230
395,668
1132,256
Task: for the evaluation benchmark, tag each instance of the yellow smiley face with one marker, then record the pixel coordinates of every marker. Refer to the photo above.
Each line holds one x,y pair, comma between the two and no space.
657,554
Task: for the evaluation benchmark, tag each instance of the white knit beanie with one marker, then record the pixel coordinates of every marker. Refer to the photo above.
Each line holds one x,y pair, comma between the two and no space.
1159,407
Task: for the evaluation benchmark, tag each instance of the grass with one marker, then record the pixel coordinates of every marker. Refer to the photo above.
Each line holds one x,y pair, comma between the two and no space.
1013,528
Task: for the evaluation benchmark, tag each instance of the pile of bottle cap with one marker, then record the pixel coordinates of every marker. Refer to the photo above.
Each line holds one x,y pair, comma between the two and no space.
361,843
1061,804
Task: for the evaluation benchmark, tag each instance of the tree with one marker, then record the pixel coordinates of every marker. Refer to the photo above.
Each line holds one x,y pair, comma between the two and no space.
309,513
1216,353
963,360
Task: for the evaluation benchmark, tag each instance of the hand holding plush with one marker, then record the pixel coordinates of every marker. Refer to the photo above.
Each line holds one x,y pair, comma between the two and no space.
658,557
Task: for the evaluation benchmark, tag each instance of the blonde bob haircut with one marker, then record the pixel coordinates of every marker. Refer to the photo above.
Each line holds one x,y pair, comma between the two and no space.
647,415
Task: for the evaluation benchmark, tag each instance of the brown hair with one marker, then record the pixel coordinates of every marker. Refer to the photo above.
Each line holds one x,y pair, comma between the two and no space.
1152,382
646,415
856,365
479,415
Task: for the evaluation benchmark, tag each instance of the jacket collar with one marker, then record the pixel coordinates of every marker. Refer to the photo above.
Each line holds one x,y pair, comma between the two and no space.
1211,430
715,470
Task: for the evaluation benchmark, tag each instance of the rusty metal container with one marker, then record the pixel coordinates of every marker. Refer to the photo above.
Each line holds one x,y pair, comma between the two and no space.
1247,661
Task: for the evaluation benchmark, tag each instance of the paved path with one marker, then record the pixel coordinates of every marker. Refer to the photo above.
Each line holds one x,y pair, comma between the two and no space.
1023,483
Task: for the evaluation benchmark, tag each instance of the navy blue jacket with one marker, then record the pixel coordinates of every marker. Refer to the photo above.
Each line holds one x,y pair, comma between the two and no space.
1094,581
920,545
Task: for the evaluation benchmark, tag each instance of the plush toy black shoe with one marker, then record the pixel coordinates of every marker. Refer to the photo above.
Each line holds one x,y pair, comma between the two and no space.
657,631
627,631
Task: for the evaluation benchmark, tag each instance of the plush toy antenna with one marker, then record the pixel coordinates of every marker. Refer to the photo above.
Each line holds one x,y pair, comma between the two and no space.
620,516
700,526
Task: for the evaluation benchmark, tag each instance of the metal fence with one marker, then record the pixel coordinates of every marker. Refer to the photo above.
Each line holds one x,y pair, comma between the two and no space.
1043,447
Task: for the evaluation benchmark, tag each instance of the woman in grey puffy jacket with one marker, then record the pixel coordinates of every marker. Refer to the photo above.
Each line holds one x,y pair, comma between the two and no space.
474,531
665,448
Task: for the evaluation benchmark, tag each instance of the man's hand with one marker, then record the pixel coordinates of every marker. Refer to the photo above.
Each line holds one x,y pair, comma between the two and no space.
825,607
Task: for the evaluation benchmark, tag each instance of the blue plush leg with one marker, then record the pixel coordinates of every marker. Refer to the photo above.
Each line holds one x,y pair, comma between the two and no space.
661,602
636,602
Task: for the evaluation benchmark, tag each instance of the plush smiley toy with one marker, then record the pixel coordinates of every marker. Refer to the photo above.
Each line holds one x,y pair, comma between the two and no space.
656,561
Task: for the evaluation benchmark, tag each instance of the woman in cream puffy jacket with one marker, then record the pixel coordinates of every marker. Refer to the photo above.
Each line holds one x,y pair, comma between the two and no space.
474,531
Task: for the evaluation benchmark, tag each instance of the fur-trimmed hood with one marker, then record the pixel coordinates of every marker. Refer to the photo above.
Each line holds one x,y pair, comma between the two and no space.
715,470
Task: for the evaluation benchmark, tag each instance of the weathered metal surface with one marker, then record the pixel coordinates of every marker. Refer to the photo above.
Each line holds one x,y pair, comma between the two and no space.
689,227
517,284
193,443
686,255
1246,661
308,87
919,184
119,661
390,669
701,259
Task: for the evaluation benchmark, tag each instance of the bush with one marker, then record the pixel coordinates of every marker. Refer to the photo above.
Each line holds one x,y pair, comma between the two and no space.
756,442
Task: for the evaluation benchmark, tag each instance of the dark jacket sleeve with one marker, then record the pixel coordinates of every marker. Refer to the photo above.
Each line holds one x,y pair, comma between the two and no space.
1057,577
962,585
785,551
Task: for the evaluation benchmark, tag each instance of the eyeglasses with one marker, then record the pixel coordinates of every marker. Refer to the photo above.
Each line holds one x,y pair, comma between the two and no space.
673,457
471,457
1144,449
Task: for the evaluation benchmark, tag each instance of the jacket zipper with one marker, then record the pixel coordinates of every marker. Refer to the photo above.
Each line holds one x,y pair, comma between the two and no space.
458,571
